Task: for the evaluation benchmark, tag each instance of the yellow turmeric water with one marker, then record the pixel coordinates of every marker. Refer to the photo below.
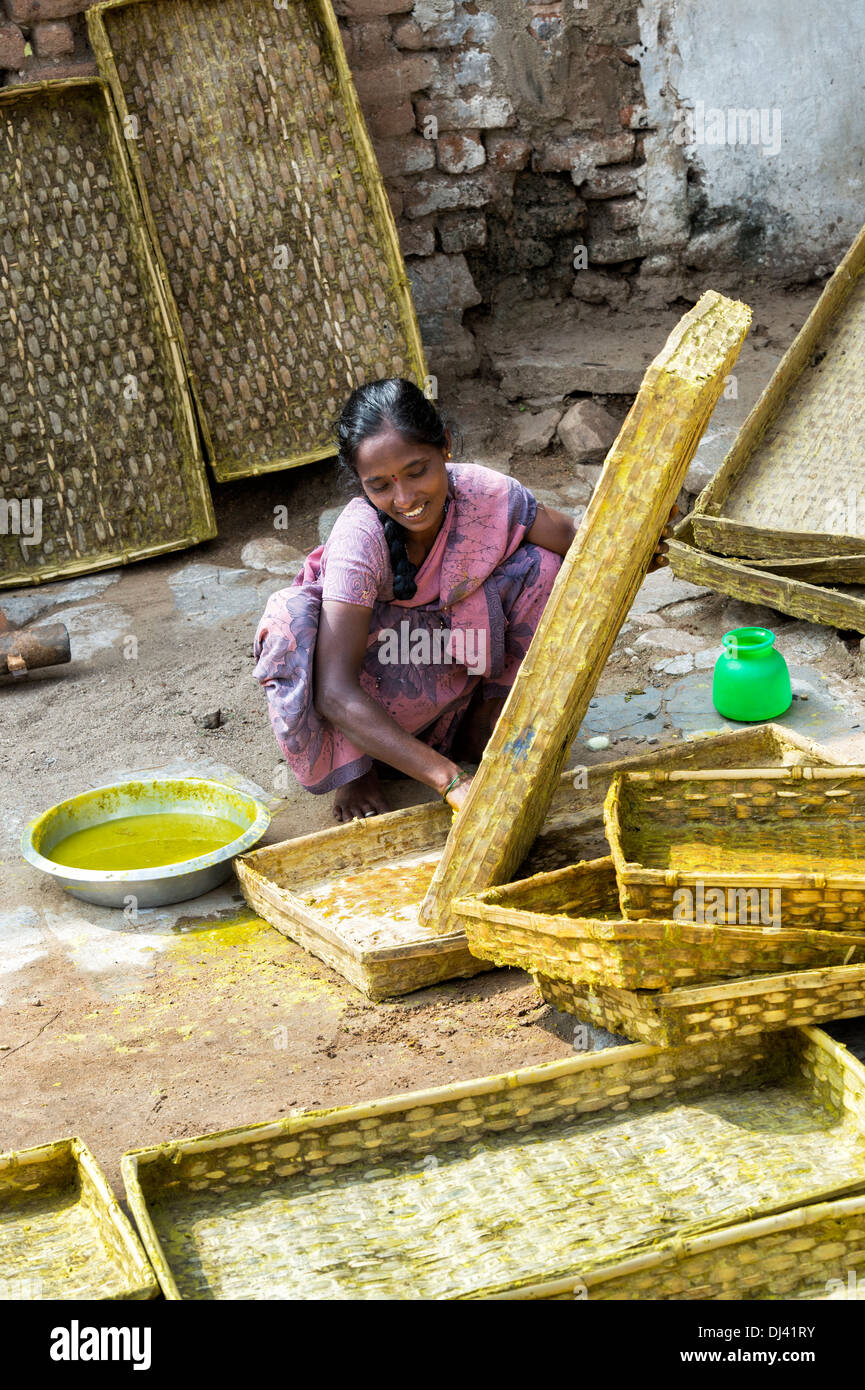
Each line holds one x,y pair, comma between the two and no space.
144,842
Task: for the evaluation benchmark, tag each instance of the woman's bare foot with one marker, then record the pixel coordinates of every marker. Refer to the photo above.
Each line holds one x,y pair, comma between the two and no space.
362,797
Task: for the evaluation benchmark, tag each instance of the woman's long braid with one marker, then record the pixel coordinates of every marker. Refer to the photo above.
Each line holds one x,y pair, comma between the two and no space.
403,570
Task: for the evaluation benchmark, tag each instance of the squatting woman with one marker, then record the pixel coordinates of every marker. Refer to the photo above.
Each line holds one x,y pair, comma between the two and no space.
401,637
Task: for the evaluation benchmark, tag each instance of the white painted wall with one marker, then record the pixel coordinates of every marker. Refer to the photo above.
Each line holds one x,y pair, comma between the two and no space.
802,60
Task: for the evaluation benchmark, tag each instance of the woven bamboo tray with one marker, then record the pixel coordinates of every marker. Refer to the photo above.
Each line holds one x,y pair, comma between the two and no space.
793,483
676,1017
813,1253
62,1233
630,506
97,428
268,211
568,924
506,1184
681,839
297,885
743,579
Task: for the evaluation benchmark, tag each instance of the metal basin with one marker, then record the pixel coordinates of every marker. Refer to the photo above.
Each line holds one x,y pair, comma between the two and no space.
169,883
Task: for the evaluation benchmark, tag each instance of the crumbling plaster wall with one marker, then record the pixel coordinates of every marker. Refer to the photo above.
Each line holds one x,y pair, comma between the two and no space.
781,195
535,147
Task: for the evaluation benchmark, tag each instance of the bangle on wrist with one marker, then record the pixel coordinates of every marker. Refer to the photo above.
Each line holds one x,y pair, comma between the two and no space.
459,777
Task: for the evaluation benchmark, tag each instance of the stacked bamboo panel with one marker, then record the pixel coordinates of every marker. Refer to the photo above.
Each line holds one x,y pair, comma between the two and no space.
350,895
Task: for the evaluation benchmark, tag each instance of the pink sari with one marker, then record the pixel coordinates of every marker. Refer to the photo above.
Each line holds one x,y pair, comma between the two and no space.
480,594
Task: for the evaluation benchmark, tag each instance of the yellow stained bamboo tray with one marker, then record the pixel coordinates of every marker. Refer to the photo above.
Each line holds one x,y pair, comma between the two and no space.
62,1232
811,1254
517,1185
641,478
679,1017
350,895
711,845
568,924
793,483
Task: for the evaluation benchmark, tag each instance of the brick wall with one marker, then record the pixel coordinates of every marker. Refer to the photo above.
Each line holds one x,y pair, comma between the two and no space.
41,39
509,137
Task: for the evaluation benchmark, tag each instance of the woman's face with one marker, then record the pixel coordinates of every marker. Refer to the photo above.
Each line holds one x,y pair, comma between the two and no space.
407,481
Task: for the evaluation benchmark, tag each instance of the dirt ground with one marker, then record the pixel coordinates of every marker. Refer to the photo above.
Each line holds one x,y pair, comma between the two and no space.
205,1019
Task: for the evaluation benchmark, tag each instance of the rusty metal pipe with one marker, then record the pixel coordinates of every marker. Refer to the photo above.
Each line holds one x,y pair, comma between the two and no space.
27,648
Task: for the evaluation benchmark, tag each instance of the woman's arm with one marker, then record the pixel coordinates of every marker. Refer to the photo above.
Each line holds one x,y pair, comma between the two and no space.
552,530
555,531
343,634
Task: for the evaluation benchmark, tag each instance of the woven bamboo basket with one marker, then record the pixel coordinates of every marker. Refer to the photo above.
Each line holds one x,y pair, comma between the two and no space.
679,1017
269,215
332,891
630,506
567,924
708,845
62,1232
793,484
100,462
787,591
508,1184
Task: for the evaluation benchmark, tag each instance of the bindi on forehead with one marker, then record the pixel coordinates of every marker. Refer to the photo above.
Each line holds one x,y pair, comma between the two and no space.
387,469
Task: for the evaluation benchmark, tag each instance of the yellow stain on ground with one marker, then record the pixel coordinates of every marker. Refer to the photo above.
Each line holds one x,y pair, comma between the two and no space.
204,966
249,945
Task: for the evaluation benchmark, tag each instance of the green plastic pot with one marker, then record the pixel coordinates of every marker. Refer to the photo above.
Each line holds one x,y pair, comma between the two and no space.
751,680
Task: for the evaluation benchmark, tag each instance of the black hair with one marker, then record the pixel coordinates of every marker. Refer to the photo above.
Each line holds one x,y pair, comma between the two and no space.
370,409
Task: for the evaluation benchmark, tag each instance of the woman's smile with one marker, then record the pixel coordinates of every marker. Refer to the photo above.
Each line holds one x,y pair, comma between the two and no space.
414,514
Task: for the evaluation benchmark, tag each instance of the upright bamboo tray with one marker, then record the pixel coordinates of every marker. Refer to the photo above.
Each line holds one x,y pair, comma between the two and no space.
740,579
97,426
515,1184
643,473
683,1017
784,489
62,1233
247,137
399,955
568,924
733,832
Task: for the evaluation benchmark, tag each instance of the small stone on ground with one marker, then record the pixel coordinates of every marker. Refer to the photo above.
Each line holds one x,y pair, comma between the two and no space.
271,554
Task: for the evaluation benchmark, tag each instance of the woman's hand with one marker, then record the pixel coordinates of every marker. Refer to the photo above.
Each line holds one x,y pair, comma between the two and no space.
341,644
457,795
659,558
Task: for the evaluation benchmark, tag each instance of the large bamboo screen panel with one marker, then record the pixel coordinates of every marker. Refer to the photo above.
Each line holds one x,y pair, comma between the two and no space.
99,456
594,589
268,210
